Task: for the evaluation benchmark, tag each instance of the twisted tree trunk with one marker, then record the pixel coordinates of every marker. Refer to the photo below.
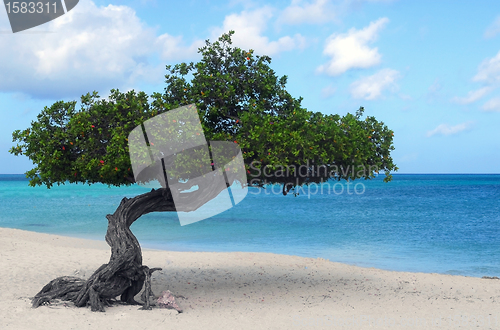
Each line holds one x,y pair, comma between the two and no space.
124,275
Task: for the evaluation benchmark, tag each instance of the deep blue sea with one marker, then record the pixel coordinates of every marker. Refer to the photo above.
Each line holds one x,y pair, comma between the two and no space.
443,223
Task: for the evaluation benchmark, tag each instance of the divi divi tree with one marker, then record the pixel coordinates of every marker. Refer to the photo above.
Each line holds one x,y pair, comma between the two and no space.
239,99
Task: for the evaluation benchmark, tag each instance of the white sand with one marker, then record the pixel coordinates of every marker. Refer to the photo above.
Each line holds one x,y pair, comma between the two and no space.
241,291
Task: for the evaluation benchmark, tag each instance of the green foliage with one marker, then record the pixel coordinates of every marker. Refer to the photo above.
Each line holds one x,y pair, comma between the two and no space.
226,83
86,145
239,98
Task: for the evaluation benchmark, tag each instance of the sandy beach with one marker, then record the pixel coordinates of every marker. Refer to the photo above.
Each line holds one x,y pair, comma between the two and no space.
241,291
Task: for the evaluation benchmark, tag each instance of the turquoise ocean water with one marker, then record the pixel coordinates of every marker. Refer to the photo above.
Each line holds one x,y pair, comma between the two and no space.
440,223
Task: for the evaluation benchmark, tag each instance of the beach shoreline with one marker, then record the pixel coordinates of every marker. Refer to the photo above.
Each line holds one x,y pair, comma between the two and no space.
241,290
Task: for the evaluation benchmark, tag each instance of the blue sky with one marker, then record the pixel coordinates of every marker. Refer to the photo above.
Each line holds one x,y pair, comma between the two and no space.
430,70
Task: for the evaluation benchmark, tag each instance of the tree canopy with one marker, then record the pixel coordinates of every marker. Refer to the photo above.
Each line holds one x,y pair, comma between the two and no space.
239,98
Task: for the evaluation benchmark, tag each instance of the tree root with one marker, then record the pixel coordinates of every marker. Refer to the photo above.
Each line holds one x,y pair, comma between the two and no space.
124,275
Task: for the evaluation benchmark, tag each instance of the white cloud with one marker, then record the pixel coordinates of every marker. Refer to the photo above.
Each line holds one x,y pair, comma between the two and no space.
445,129
494,29
492,105
371,87
473,96
434,91
406,97
92,48
249,27
172,47
316,12
328,91
489,70
435,87
350,50
488,73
